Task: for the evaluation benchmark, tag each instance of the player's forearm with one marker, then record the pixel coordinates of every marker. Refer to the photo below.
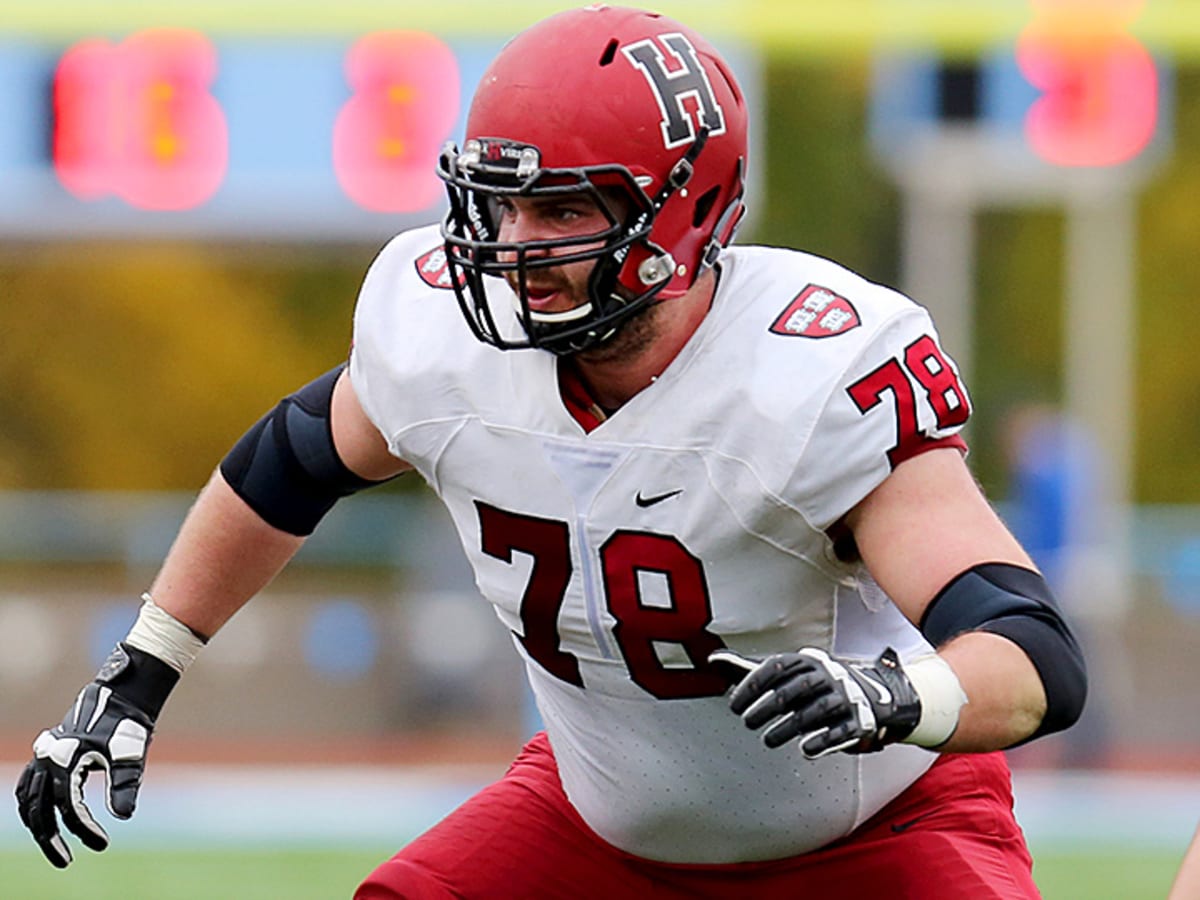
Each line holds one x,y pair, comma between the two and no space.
224,554
1005,698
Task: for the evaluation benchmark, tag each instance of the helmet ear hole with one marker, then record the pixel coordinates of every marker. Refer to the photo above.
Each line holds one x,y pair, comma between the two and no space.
704,205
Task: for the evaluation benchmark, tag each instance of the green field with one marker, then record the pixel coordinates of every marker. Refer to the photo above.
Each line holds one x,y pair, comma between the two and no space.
188,875
1110,874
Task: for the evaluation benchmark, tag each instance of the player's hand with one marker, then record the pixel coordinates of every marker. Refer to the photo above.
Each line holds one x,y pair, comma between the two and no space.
107,730
828,703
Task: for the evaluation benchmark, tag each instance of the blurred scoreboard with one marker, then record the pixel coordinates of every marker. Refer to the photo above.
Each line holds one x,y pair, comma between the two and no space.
1075,88
170,132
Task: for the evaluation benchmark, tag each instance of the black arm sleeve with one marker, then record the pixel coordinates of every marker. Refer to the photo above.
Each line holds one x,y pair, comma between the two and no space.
286,467
1016,603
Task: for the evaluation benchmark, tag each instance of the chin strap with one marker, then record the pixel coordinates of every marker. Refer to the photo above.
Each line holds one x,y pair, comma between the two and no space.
681,173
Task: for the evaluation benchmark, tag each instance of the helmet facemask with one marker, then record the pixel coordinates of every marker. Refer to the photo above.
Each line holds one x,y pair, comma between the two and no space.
489,171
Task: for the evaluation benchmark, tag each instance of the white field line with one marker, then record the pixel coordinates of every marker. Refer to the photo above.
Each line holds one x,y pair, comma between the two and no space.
384,807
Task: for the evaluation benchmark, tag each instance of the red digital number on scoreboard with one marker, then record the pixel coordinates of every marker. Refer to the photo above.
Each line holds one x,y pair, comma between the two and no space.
136,120
1099,103
387,136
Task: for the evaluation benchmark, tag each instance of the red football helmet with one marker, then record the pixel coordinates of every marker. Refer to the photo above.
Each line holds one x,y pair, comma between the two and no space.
606,101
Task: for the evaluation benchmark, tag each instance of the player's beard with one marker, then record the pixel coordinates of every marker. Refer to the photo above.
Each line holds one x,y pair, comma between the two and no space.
633,338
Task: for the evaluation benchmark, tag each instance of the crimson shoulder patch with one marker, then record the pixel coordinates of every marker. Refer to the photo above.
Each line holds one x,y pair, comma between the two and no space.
434,270
817,312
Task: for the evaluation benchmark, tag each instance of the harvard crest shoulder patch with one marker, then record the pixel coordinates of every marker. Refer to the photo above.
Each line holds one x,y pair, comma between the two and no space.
816,312
434,270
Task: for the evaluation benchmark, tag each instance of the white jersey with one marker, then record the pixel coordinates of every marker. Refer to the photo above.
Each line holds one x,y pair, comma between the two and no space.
693,518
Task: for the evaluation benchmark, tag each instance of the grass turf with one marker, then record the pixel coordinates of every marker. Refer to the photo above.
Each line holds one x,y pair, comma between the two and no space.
1104,873
171,874
322,874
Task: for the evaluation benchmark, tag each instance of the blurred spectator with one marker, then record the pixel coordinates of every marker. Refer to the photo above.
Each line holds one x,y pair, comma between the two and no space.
1059,512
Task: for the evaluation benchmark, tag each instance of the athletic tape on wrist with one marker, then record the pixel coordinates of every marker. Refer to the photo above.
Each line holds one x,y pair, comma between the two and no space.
942,698
160,634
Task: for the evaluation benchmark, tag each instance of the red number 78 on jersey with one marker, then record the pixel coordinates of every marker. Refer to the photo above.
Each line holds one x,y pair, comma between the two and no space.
936,376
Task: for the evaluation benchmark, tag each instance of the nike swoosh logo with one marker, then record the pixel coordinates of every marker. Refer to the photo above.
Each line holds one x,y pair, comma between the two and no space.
657,498
885,696
901,827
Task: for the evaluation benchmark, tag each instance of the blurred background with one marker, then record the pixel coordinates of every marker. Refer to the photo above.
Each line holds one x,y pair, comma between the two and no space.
190,194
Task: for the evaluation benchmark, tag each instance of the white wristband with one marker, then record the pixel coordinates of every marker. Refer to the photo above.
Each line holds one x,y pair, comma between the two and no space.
160,634
942,697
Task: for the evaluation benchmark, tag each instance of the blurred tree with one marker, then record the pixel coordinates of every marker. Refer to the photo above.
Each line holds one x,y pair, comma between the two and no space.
1018,330
136,366
1168,388
820,191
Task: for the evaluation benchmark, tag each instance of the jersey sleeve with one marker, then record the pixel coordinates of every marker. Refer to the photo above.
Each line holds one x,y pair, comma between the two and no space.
405,320
371,369
410,349
900,396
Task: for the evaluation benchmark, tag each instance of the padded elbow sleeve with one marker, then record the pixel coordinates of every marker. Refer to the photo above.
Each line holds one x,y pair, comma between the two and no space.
1017,604
286,467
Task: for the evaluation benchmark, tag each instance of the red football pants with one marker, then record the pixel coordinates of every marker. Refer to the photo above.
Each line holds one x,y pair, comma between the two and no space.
950,835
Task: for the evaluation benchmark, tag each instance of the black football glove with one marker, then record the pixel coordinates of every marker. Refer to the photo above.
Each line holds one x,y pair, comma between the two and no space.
108,729
831,704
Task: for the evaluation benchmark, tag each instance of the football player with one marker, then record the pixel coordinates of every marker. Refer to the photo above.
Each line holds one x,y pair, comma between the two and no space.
718,494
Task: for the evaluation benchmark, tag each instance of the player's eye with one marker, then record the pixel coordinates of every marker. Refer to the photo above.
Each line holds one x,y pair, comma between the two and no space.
501,208
566,214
